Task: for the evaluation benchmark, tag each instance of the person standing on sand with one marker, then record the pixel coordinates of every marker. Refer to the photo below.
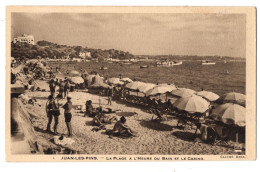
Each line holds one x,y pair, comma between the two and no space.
56,114
109,96
61,90
66,88
52,86
57,82
67,114
52,110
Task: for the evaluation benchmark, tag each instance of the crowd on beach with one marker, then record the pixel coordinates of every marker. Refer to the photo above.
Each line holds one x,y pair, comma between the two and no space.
189,107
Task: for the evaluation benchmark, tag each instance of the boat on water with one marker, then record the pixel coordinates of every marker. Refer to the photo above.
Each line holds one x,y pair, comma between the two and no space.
144,66
168,63
103,68
207,62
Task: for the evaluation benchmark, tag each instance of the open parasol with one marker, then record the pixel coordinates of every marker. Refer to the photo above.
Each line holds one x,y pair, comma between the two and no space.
182,92
230,113
210,96
192,104
160,89
73,73
145,87
233,97
126,80
77,80
100,85
115,81
134,85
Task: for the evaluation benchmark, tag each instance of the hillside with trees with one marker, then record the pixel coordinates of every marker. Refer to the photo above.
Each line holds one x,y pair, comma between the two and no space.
46,49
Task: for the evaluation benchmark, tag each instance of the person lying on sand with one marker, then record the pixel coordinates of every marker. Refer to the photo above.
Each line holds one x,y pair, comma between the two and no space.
101,119
121,129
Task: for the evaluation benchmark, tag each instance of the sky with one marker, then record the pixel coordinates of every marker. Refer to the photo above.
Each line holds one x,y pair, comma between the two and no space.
140,33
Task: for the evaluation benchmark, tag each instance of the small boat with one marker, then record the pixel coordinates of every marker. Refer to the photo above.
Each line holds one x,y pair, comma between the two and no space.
103,68
207,62
168,63
144,66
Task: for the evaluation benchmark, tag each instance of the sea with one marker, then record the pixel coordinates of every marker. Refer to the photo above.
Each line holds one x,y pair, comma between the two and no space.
220,78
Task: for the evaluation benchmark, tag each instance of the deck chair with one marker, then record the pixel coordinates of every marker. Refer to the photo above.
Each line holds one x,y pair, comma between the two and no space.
213,136
185,121
222,135
158,114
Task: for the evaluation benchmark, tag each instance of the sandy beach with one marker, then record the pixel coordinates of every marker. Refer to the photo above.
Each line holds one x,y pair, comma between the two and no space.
155,138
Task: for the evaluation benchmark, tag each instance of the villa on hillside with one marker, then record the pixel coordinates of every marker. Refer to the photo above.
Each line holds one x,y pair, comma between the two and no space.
84,54
29,39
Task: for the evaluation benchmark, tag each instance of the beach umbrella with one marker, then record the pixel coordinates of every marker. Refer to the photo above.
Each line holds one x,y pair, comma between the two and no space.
84,75
134,85
158,90
73,73
210,96
77,80
100,85
145,87
60,76
89,78
182,92
230,113
192,104
126,80
115,81
98,78
233,97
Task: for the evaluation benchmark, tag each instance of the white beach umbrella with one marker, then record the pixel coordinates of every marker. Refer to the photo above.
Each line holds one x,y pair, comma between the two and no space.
115,81
192,104
233,97
230,113
210,96
182,92
145,87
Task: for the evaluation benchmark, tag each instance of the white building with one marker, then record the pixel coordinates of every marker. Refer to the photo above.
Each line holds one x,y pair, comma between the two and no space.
84,54
29,39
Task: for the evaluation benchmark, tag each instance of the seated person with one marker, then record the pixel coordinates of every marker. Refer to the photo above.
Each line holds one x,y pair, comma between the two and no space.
168,104
157,113
121,129
90,111
154,104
